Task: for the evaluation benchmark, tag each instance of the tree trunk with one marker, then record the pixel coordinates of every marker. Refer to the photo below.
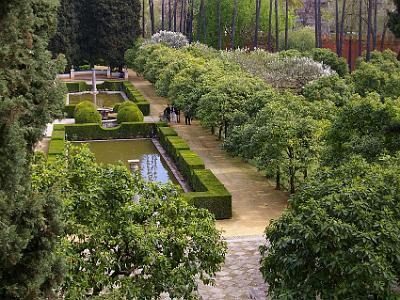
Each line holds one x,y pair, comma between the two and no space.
269,38
175,10
368,56
286,24
383,37
278,179
255,44
337,26
219,25
220,132
191,22
233,25
163,15
169,15
181,16
342,28
360,28
204,23
350,56
316,27
151,8
276,26
319,24
143,21
375,32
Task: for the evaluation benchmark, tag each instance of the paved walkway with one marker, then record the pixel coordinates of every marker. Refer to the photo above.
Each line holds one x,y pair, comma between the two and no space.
254,200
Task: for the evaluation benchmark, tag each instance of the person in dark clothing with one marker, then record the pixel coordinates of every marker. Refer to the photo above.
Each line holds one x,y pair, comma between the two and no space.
178,114
167,113
187,118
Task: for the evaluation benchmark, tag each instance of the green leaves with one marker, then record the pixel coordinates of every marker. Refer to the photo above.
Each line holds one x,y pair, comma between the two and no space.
132,249
340,237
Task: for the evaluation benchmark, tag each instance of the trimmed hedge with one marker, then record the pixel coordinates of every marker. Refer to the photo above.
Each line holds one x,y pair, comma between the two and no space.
112,85
83,132
129,113
58,127
58,135
209,192
69,111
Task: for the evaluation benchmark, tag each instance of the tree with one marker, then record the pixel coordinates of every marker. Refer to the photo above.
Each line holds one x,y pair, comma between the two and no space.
258,4
269,36
286,24
340,237
369,29
276,26
151,12
97,33
360,28
132,239
234,24
30,97
394,19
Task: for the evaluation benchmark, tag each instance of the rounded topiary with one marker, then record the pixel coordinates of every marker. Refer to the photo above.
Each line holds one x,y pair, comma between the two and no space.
116,107
129,113
86,112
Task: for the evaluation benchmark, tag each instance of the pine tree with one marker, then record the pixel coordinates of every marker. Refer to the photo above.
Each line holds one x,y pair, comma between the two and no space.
30,97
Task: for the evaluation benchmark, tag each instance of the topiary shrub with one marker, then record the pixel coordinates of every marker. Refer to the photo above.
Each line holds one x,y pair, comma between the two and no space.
129,113
86,112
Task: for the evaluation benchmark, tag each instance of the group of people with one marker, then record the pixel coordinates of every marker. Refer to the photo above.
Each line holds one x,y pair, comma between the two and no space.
173,114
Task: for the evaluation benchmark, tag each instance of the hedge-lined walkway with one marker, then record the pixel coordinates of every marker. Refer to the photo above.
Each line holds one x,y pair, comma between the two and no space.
254,199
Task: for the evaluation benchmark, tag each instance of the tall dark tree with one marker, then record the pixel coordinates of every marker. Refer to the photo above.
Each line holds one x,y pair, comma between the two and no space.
382,46
181,21
316,27
30,97
101,35
375,31
191,22
169,15
342,28
286,24
269,36
234,24
360,10
204,22
369,29
151,11
337,27
219,24
143,20
175,12
319,24
163,15
276,26
394,21
258,3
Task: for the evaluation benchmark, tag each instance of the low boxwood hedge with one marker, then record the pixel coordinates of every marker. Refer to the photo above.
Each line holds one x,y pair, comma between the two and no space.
69,110
208,191
58,135
131,130
58,127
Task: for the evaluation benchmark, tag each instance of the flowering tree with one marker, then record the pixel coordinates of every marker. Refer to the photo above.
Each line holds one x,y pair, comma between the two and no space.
171,39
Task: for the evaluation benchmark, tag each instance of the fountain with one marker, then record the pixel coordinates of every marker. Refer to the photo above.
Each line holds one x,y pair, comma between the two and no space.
94,87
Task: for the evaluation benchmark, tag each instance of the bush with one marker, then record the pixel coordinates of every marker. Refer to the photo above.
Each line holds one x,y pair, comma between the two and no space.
86,112
83,132
129,113
302,39
330,58
135,96
168,38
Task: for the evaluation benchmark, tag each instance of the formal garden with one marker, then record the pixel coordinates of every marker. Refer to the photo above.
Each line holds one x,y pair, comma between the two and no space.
104,195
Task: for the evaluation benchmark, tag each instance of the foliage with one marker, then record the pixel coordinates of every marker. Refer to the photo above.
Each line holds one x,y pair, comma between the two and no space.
129,113
84,132
168,38
340,237
282,72
331,59
302,39
394,19
93,31
332,88
30,97
86,112
284,139
360,128
381,74
128,238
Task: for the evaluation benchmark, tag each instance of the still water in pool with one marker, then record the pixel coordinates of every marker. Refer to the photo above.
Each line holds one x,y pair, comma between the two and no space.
152,166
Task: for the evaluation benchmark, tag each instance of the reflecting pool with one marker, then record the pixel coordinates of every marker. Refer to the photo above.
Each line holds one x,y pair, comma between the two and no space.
152,165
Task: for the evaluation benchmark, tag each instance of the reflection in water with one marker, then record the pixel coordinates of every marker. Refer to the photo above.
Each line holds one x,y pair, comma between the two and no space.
152,166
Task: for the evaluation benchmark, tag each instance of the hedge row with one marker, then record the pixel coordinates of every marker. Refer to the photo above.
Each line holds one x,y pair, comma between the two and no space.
209,192
131,130
110,85
57,142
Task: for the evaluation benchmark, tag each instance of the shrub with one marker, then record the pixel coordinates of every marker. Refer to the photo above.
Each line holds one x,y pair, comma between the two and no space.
330,58
302,39
129,113
86,112
168,38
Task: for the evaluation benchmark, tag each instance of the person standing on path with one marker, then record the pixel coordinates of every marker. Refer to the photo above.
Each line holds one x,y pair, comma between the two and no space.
173,115
187,116
178,114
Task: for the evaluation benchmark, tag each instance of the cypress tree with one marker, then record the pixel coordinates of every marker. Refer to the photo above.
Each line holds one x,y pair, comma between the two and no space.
30,97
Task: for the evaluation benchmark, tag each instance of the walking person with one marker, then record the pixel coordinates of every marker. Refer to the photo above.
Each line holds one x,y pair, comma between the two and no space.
173,114
167,113
187,116
178,114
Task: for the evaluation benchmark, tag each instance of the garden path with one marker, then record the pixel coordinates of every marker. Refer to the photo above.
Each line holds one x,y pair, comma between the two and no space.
254,200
